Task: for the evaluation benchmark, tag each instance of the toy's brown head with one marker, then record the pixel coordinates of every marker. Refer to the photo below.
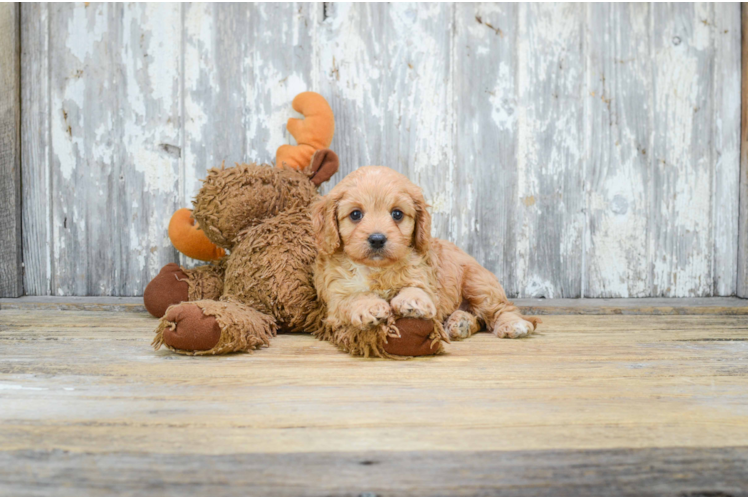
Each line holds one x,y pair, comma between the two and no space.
235,198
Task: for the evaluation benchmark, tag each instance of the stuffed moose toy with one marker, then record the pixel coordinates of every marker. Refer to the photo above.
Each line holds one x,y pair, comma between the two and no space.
264,284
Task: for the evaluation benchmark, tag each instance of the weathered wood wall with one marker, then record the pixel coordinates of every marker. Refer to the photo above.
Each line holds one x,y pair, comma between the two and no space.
742,288
11,262
575,150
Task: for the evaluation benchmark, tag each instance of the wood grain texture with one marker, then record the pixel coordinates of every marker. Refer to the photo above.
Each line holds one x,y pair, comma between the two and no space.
575,150
99,145
35,151
635,402
85,196
725,129
11,260
720,306
617,472
742,284
486,175
150,113
619,130
681,157
550,156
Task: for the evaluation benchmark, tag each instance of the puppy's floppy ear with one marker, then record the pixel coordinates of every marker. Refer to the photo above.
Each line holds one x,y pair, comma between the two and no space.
325,224
422,231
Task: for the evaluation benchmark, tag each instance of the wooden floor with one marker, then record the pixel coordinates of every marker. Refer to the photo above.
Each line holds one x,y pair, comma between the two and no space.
593,404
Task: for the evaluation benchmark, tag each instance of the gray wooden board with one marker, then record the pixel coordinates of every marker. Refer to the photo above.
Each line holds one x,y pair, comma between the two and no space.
595,405
114,96
742,285
35,150
11,270
611,472
575,150
485,93
726,133
602,404
617,186
681,156
704,305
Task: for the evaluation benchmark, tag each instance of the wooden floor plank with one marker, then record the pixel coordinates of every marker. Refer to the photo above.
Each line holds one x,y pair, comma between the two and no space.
588,307
84,389
616,472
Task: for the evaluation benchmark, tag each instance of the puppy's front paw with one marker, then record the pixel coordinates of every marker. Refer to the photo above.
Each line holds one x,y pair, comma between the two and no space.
370,312
413,303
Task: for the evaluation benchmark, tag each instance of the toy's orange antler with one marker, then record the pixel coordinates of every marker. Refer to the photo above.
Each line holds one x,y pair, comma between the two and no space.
314,132
187,237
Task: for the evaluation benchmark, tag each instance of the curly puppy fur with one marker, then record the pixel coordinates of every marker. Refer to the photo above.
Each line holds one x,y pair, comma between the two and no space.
377,259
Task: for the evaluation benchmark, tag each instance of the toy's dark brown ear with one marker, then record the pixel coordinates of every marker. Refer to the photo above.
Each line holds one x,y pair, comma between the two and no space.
324,164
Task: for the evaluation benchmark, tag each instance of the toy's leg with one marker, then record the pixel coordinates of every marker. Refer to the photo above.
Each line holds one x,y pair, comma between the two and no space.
206,282
413,337
461,325
174,284
418,337
487,301
213,327
365,326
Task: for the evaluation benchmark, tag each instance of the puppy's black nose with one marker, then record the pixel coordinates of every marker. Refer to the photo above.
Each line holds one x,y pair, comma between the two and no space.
377,240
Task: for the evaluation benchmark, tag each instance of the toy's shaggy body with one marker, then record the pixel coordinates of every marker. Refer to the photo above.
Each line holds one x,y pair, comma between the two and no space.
261,214
410,275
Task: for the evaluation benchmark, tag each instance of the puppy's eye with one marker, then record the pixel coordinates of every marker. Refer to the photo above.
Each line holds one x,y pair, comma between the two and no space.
397,214
356,215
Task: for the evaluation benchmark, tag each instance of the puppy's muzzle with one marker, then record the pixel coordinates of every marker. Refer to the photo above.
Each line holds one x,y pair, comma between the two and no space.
377,241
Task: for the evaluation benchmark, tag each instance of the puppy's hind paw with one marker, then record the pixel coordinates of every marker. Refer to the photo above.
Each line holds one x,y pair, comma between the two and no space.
514,329
461,325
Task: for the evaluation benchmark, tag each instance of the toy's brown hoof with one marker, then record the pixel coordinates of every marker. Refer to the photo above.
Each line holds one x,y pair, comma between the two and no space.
166,289
194,331
414,338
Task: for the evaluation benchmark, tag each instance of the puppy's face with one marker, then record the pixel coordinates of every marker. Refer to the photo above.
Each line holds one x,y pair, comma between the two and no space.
375,214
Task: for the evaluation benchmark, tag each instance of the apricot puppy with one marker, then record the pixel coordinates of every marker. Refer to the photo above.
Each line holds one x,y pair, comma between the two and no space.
377,259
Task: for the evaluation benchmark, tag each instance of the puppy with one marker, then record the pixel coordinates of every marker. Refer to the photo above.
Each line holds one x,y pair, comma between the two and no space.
377,259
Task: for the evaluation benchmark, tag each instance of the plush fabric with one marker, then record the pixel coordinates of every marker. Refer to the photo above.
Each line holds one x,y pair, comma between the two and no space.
421,340
187,237
169,287
313,133
260,215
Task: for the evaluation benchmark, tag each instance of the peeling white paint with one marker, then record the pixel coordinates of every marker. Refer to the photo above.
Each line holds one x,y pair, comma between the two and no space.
163,51
569,109
67,146
503,100
81,47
